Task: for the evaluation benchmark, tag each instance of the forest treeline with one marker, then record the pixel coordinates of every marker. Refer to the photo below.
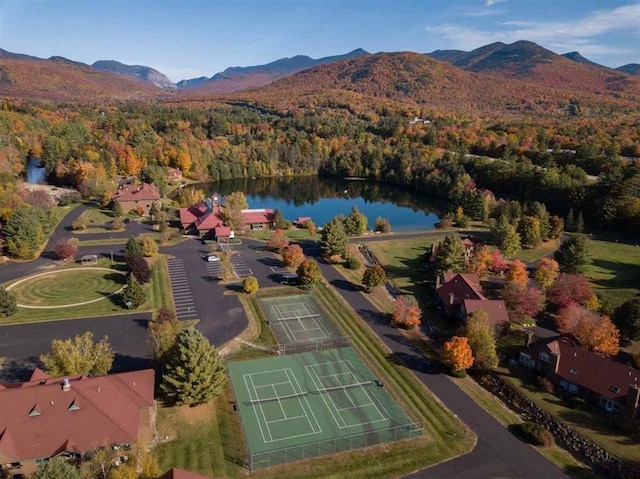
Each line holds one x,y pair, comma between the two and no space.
87,147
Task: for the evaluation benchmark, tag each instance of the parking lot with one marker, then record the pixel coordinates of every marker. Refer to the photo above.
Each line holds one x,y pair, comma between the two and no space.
273,263
238,262
182,296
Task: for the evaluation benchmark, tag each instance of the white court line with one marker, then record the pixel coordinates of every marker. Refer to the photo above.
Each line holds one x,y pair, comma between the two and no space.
315,419
255,411
285,326
385,416
284,414
324,398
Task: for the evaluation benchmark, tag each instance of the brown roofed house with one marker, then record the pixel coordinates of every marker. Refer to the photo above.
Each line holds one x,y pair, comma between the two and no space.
47,417
575,371
134,197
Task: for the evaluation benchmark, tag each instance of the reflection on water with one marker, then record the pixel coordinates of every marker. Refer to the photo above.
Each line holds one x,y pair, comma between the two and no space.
322,198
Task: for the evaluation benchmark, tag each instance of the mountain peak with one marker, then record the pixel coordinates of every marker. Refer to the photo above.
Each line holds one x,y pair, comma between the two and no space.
576,57
140,72
630,69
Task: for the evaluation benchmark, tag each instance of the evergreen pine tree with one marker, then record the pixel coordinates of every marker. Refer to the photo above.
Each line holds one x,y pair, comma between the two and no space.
572,256
579,224
569,221
133,293
334,239
195,372
132,248
8,305
450,255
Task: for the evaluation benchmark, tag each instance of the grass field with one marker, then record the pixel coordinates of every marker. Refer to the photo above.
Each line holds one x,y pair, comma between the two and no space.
158,293
614,270
534,254
58,288
293,234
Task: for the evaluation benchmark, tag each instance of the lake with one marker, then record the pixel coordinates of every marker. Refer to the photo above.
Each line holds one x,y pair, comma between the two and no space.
322,198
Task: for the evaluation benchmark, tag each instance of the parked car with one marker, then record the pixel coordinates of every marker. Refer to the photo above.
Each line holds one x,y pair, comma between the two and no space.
211,258
289,279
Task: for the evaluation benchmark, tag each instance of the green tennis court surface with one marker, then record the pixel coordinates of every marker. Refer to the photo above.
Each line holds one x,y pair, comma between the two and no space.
311,404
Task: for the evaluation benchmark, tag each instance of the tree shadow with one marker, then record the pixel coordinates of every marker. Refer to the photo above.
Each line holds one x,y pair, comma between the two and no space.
124,363
346,285
18,371
372,316
624,275
414,362
235,287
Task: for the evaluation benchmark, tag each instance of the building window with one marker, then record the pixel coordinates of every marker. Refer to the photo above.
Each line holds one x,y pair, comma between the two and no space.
569,387
526,360
573,371
544,357
609,405
614,389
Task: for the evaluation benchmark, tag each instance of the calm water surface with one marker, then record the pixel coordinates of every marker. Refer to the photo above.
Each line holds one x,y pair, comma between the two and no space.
323,198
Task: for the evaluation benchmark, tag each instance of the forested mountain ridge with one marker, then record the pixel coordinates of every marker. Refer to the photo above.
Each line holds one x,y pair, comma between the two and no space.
419,79
64,80
239,78
527,61
630,69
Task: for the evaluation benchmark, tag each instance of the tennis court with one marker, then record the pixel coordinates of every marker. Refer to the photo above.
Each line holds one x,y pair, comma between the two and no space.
297,318
311,404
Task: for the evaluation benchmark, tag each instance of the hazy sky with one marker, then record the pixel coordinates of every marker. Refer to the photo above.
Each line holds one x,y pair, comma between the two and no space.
191,38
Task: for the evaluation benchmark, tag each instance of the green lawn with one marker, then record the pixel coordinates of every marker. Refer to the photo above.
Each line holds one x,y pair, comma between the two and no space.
158,293
293,234
614,270
534,254
99,220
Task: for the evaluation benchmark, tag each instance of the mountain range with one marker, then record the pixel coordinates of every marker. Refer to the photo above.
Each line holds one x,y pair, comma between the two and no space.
521,76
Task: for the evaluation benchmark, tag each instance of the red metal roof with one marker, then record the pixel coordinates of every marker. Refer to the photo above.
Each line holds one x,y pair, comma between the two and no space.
209,221
261,216
143,192
222,231
40,419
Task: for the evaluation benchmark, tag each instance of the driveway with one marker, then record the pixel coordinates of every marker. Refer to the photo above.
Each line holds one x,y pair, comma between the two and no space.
498,453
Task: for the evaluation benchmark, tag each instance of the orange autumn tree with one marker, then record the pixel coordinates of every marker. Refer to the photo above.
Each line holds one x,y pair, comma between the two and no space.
292,255
278,242
456,354
517,273
593,332
480,261
547,271
406,314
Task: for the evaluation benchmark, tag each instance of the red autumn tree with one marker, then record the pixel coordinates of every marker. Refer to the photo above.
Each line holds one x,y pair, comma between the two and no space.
65,249
517,273
547,270
456,354
498,264
593,332
567,289
292,255
278,242
406,314
522,302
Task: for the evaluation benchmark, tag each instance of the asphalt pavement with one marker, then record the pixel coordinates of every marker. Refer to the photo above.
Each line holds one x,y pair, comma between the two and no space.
498,454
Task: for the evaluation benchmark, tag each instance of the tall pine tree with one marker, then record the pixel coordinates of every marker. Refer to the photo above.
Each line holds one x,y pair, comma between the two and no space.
8,304
334,239
450,254
194,372
133,295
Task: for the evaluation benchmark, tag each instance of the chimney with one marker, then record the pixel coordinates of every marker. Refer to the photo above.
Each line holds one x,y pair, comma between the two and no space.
554,362
66,385
633,397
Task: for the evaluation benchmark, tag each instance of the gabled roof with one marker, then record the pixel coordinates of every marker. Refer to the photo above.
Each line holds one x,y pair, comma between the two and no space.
209,221
143,192
462,286
38,375
495,308
222,231
192,213
257,216
596,373
181,474
94,411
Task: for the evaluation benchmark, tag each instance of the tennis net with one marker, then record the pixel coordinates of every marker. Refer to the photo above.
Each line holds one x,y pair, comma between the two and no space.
343,387
276,398
294,318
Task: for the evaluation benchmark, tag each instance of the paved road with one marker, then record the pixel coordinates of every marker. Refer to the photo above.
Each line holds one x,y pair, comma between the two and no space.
498,453
22,344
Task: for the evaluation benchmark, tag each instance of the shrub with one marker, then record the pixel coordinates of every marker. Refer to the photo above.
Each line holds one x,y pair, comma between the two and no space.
79,224
250,284
69,198
545,385
536,434
117,224
445,222
352,263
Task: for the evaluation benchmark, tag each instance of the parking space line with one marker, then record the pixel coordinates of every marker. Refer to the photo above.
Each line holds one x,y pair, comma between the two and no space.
181,290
